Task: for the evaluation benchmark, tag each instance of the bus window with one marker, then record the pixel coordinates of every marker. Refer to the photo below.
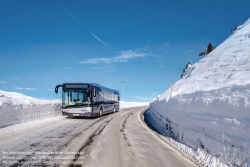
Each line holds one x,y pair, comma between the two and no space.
76,97
96,98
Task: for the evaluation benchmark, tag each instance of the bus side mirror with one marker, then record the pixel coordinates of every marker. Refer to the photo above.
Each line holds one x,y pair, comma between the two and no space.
56,88
94,93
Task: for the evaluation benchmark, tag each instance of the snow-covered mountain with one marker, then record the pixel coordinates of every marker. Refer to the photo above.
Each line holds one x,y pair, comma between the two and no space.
124,104
209,108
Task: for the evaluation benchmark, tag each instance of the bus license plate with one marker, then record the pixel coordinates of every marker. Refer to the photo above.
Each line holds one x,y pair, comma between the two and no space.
75,114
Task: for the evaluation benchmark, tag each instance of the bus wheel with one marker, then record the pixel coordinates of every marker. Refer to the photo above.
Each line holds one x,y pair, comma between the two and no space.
101,112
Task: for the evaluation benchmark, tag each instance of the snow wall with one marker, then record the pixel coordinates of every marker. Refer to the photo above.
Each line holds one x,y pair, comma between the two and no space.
215,121
17,108
209,108
11,114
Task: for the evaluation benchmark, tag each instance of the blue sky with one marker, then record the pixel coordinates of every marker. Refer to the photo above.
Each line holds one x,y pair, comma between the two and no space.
144,44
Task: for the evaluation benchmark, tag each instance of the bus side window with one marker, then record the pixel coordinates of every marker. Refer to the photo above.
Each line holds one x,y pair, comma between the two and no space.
96,98
100,97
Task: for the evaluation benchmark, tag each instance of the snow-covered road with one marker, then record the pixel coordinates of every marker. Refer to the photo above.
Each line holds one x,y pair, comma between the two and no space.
119,139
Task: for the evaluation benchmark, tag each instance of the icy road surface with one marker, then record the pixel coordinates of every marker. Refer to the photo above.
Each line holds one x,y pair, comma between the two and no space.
119,139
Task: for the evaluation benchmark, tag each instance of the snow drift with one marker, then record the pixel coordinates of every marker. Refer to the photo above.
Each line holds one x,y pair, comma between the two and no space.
16,108
209,108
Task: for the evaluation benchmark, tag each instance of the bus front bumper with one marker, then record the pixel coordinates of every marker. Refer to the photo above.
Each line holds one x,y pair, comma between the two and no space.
78,112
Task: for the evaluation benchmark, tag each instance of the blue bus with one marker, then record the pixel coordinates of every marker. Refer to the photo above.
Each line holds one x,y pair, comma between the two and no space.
88,99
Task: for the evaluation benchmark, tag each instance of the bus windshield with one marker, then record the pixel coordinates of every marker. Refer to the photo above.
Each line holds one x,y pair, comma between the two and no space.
76,97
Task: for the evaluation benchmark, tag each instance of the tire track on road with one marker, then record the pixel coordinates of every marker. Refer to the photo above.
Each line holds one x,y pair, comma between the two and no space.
88,139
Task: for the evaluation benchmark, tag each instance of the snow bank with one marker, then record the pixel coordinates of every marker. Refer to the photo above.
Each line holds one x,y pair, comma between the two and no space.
16,108
209,108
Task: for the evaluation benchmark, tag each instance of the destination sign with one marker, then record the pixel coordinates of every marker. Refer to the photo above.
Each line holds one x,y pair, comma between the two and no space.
67,86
